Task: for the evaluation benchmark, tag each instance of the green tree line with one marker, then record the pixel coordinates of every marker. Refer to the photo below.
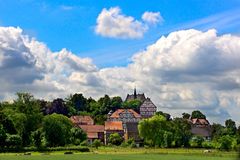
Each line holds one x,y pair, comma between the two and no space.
27,121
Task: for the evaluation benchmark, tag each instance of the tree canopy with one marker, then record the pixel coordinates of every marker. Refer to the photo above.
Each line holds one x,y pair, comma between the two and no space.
198,114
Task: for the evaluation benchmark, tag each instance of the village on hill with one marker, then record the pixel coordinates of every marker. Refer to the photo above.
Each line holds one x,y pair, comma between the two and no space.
79,121
125,122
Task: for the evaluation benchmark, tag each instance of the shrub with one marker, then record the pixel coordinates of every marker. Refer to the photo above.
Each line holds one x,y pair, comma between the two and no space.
14,141
196,142
208,144
77,136
27,153
37,138
130,141
124,144
225,142
115,139
84,143
133,145
96,143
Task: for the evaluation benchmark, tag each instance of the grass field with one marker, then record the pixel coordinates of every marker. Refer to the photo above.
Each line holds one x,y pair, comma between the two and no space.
112,153
113,157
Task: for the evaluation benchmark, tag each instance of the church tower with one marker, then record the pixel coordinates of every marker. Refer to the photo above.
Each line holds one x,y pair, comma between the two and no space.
135,93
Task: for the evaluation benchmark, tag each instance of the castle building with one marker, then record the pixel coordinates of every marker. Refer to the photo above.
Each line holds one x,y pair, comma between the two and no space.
147,108
135,96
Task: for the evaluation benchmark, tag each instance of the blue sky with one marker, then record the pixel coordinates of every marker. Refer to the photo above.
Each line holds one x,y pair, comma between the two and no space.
70,24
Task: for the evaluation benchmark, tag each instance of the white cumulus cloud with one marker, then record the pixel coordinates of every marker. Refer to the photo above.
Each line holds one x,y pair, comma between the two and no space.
152,17
113,23
181,72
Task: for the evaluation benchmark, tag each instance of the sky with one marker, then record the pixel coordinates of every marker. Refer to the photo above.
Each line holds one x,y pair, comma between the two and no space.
184,55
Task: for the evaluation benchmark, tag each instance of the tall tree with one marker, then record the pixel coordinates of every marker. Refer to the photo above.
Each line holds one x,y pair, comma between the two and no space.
56,128
198,114
153,129
231,127
116,102
105,104
217,130
5,114
77,102
27,116
181,131
186,115
58,106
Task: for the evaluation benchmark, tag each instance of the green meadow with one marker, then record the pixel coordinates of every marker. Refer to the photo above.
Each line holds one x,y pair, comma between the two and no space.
114,157
119,153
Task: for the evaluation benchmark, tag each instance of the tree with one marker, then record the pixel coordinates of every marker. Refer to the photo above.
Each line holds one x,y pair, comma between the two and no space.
77,102
186,115
198,114
14,141
25,115
37,138
3,136
181,132
56,129
217,130
166,115
105,104
5,120
153,129
116,102
231,127
77,136
133,104
58,106
168,138
115,139
225,142
96,143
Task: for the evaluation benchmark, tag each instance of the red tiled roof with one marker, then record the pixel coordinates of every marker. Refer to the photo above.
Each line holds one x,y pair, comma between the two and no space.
113,125
92,128
82,120
117,112
200,121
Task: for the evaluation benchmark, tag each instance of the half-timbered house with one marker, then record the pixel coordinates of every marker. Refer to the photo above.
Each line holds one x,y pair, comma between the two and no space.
147,109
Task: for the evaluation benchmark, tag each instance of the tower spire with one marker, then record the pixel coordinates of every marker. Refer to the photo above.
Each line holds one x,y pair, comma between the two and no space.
135,93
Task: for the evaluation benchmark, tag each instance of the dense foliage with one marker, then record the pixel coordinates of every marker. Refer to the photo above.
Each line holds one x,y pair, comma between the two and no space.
28,122
115,139
158,131
23,124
